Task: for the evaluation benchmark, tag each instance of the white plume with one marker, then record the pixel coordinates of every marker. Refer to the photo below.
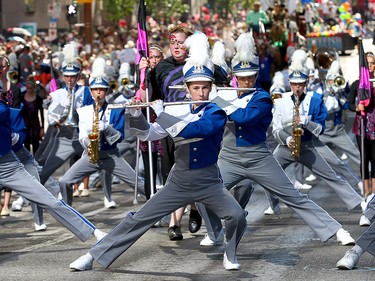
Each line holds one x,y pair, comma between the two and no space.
198,49
310,64
13,61
70,52
124,71
335,68
218,54
278,80
298,61
245,47
98,68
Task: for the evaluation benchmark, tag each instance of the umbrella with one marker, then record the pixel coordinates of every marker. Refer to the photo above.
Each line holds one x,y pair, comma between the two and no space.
19,31
17,38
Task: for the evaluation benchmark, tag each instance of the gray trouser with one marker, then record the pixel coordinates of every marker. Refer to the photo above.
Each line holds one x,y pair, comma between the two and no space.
111,161
263,169
340,167
367,240
312,159
342,141
14,176
63,148
182,187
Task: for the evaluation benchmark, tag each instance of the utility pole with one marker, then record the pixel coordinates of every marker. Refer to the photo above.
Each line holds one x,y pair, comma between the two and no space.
87,20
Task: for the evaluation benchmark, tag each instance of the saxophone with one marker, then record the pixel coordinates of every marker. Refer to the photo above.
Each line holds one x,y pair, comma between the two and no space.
94,137
297,131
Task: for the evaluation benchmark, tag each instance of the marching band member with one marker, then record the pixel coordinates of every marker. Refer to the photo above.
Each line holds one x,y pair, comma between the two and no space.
245,154
197,133
298,111
62,113
101,153
14,176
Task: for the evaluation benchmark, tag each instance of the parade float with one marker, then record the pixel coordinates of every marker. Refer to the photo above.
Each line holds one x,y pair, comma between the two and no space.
341,35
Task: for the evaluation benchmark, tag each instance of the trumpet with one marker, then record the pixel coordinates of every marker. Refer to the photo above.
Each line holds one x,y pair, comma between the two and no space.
113,85
125,81
13,76
339,81
70,119
148,104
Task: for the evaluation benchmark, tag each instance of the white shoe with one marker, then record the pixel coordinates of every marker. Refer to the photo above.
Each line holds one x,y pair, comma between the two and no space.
311,178
17,205
363,205
59,196
344,156
208,242
76,193
109,204
115,180
349,260
344,238
364,221
369,198
85,193
82,263
41,227
301,186
228,265
269,211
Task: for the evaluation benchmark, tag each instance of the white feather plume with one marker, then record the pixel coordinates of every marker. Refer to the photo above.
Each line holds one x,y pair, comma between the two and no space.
218,53
278,80
298,63
334,68
245,48
124,71
98,68
310,64
70,52
198,49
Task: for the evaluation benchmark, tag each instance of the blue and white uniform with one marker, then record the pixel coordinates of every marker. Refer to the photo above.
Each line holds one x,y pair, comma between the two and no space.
195,177
110,159
14,176
66,142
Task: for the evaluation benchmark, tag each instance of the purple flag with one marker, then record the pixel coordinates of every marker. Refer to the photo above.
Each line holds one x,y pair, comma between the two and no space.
364,89
142,44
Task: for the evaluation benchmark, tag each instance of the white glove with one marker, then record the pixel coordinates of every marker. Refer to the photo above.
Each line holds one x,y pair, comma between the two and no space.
102,125
134,112
15,138
213,94
158,107
288,139
304,120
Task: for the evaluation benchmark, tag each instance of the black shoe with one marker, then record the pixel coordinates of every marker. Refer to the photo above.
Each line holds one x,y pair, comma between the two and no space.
174,233
195,221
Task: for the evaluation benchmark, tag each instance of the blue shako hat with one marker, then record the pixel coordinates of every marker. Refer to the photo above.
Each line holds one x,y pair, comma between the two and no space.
98,77
245,62
71,66
198,66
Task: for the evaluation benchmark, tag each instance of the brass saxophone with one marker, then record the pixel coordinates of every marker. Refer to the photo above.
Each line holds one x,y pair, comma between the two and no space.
297,131
94,136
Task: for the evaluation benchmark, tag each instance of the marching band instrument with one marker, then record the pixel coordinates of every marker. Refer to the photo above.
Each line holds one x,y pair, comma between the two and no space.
113,85
94,136
339,81
324,58
70,119
148,104
13,76
125,81
297,131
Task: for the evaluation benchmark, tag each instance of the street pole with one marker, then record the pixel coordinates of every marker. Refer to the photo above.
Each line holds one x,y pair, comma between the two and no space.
87,18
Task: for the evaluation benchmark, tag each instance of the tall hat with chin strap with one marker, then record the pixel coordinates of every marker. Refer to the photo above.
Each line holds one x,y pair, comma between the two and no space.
245,62
198,66
333,71
98,77
71,64
298,71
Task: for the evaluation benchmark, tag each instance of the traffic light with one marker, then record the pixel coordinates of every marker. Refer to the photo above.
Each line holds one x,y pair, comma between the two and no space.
71,13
